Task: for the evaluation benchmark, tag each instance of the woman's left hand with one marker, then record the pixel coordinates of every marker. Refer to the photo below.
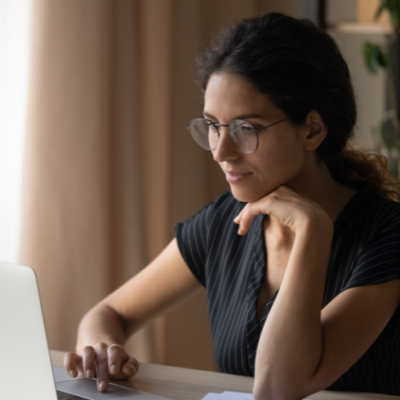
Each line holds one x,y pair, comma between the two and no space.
289,207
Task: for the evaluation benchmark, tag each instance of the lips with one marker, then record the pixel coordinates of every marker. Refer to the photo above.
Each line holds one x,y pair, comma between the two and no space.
235,177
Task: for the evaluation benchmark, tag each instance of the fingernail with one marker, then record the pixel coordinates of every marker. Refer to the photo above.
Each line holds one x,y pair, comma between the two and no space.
89,373
113,369
72,373
102,385
130,370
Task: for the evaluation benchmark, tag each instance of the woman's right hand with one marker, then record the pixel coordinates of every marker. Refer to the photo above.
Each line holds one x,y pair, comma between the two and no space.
158,288
102,361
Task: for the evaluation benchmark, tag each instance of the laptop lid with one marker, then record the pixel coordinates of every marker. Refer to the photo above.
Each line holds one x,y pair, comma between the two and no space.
25,365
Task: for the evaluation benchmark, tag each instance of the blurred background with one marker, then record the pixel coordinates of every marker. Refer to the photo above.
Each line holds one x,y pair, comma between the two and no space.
96,164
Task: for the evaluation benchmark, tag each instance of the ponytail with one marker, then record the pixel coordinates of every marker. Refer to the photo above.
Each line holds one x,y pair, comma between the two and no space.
359,169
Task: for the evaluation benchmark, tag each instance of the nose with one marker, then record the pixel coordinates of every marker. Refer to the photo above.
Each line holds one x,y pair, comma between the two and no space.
225,150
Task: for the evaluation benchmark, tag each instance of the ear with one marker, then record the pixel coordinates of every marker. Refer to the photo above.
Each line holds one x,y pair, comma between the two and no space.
315,131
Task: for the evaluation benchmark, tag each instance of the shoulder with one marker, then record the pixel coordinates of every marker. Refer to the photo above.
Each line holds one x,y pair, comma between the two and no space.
380,213
369,214
371,242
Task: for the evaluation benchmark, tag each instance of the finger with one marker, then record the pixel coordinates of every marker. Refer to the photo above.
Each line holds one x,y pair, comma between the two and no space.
247,218
116,357
239,216
88,359
73,364
103,377
131,367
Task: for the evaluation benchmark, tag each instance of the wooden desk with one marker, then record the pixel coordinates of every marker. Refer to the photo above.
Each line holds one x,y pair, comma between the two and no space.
190,384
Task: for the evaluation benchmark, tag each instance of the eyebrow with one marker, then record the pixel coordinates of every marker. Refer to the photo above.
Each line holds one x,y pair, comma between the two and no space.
243,116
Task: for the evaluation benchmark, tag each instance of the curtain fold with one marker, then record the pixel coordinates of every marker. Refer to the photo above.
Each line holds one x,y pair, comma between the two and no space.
81,219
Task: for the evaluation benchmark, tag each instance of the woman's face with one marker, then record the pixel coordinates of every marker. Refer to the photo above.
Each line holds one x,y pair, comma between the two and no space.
280,156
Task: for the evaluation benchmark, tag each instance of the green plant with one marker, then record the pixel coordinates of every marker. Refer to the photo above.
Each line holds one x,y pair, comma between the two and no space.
387,57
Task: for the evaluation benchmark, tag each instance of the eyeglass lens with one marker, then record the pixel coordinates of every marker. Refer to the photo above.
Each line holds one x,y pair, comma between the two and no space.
242,133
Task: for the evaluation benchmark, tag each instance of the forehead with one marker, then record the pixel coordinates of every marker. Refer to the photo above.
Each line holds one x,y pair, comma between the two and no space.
229,95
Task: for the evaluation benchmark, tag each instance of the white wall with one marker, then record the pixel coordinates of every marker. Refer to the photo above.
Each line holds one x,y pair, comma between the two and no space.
339,11
15,18
369,89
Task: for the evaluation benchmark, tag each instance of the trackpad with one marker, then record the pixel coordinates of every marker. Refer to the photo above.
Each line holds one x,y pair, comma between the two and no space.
61,375
88,388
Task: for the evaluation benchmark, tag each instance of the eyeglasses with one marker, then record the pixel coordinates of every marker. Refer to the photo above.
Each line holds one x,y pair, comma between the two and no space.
243,134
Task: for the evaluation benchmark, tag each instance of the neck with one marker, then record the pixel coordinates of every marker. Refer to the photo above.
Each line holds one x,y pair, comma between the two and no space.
316,184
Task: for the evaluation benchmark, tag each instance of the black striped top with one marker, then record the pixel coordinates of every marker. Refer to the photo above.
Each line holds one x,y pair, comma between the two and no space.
365,250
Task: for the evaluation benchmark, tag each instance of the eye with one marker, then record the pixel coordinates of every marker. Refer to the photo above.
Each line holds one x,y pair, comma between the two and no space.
209,123
212,130
248,128
258,127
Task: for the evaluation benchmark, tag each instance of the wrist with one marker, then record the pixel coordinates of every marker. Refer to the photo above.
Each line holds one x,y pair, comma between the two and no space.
318,227
314,242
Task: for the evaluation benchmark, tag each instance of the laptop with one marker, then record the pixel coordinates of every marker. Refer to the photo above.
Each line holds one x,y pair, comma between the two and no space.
25,366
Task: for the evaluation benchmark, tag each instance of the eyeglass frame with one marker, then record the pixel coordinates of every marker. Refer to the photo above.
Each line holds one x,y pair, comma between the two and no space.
217,125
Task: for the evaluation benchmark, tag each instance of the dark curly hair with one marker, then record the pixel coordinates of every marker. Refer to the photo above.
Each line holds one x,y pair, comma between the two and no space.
300,68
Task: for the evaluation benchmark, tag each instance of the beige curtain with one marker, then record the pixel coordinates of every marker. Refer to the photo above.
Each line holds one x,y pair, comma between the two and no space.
82,206
109,165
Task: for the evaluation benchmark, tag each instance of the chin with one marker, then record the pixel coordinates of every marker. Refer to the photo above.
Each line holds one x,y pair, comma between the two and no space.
246,196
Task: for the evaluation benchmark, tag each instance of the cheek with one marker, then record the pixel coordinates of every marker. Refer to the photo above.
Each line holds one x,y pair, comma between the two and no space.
284,159
283,154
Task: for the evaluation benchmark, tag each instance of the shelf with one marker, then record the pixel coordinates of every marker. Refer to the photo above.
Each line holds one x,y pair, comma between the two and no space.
353,27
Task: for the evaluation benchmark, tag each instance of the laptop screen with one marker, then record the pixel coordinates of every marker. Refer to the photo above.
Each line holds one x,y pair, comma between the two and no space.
25,366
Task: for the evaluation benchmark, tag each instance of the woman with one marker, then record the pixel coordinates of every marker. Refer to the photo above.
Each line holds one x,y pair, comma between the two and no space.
301,260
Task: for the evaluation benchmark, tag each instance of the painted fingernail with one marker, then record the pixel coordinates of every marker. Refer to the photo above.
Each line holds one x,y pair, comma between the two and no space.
113,369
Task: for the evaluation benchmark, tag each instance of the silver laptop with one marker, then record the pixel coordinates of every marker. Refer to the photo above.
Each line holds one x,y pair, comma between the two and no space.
25,367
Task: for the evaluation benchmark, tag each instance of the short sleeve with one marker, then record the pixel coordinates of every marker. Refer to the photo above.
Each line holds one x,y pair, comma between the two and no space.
192,238
379,259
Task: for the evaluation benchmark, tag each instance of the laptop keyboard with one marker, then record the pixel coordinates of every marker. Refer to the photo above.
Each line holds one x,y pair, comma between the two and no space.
67,396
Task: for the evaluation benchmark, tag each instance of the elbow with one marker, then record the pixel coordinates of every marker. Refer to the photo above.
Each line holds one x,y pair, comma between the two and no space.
261,394
267,390
270,393
271,390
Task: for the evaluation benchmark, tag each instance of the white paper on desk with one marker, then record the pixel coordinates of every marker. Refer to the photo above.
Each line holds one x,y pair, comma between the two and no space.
237,396
228,396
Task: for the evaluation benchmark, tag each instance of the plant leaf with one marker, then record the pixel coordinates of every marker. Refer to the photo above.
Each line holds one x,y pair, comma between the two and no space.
383,59
387,138
393,8
371,52
379,11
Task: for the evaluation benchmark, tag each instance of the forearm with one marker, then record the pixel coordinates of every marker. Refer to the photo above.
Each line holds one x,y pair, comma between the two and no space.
290,346
100,325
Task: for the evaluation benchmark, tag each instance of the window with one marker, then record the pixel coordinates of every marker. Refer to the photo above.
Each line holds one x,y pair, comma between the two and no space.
15,25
